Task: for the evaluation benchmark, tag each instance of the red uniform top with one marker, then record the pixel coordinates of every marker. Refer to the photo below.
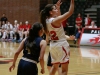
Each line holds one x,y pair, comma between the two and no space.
79,19
27,27
21,27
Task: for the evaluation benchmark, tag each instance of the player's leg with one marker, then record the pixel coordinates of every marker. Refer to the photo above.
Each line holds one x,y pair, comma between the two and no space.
49,65
64,68
54,69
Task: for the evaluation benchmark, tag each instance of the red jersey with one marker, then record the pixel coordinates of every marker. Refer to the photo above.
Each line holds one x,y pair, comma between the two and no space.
79,19
26,27
21,27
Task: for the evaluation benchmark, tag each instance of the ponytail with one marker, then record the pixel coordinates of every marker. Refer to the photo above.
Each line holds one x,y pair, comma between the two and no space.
45,13
43,19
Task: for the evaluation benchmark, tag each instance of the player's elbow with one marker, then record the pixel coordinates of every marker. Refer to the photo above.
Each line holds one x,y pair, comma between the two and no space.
17,53
71,12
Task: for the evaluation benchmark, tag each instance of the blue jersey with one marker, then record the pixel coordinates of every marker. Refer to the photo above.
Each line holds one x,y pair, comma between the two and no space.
32,49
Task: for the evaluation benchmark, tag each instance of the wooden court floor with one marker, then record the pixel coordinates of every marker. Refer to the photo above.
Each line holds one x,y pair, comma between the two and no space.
83,60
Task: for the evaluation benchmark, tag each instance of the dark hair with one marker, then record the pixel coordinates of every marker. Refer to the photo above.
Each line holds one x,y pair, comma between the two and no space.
44,14
31,44
34,31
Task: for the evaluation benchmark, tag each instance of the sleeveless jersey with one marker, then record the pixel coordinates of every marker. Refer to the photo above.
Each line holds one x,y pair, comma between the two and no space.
56,34
59,47
32,50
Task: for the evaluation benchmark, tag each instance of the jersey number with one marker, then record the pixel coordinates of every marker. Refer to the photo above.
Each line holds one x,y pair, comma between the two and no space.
53,35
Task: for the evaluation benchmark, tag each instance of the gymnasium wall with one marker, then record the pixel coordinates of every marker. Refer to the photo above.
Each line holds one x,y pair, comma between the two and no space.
20,10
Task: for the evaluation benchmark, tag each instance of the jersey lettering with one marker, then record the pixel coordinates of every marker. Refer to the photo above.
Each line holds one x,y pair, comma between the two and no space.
53,35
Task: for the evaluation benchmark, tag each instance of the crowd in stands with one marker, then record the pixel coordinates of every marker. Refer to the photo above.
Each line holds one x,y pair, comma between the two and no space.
19,30
13,32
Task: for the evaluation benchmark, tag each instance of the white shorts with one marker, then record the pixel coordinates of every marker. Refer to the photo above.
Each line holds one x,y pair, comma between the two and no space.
59,52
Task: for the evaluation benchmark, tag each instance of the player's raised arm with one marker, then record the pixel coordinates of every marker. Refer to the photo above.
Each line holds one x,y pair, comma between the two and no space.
59,19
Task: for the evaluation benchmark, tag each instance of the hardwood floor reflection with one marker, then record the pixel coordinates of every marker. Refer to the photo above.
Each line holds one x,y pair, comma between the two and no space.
83,60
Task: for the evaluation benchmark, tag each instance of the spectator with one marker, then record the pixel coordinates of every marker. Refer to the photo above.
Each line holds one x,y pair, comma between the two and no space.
79,21
78,27
88,21
3,30
15,29
21,26
16,25
10,30
27,26
93,25
7,32
4,18
21,30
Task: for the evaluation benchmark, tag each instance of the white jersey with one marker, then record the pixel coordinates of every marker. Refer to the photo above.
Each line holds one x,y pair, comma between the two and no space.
59,47
9,27
56,34
4,26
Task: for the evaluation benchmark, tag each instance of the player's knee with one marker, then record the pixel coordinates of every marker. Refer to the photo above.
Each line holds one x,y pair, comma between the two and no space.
55,67
64,70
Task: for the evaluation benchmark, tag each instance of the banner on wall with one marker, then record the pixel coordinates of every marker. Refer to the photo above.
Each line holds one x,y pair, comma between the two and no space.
90,36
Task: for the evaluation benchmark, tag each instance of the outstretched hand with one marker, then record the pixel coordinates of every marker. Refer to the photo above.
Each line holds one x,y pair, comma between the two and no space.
72,37
58,4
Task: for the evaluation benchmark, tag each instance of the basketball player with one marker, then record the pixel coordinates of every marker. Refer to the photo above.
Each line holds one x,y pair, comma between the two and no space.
33,49
49,64
59,47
